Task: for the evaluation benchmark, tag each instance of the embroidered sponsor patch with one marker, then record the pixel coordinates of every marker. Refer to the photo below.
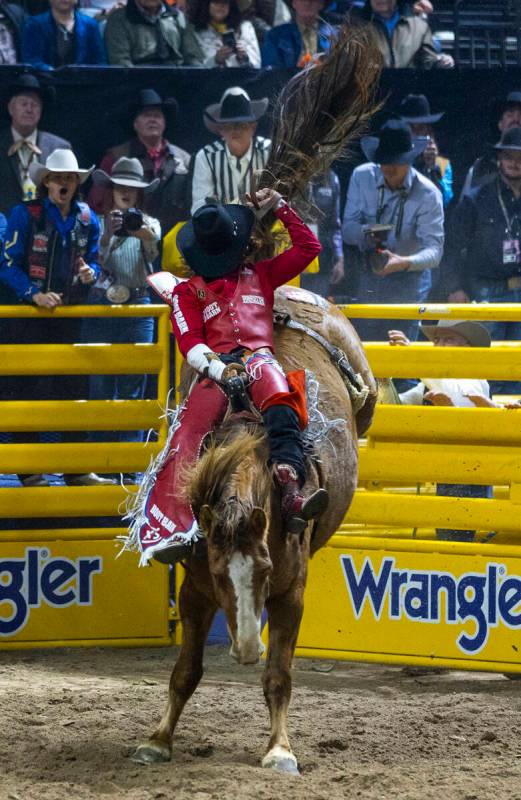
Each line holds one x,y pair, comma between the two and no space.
201,294
36,272
40,243
211,311
179,316
257,299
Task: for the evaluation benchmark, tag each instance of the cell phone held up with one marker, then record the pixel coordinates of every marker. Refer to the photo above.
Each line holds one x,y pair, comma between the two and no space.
229,40
376,239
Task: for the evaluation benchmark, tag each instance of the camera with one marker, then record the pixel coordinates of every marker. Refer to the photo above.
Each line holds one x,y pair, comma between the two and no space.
376,237
229,39
131,222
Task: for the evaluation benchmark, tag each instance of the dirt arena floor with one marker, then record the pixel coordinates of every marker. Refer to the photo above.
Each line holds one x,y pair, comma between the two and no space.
70,720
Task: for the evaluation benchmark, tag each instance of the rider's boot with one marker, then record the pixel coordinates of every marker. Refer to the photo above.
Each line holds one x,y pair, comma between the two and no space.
297,510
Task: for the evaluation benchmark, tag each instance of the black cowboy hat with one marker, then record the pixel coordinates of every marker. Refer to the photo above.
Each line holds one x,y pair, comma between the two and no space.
235,106
511,140
512,99
213,242
415,109
25,83
148,98
394,145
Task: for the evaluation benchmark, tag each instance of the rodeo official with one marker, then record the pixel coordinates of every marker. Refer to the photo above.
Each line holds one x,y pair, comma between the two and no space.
223,322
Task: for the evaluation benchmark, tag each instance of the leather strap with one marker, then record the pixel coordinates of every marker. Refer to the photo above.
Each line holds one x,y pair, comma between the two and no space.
338,357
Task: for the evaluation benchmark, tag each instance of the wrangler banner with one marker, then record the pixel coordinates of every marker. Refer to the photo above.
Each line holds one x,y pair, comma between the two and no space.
458,606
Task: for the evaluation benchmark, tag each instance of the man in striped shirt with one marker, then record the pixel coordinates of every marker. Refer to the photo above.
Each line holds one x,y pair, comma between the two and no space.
223,169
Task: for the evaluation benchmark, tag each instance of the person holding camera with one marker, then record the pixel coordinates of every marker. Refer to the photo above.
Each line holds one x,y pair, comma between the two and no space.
128,247
394,219
218,36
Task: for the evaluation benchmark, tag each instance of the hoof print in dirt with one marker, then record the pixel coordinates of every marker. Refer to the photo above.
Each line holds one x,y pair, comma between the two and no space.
202,750
331,745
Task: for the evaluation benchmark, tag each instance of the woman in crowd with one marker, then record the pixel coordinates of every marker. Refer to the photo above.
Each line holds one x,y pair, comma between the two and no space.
128,248
218,36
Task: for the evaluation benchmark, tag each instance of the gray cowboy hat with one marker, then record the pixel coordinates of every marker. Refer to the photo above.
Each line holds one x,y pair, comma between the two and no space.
394,145
59,161
235,106
475,333
214,241
125,172
511,140
415,109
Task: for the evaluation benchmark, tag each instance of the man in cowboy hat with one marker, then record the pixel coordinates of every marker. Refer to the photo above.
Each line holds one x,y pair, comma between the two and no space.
484,168
223,322
50,257
466,393
150,117
23,142
223,170
390,192
483,256
415,110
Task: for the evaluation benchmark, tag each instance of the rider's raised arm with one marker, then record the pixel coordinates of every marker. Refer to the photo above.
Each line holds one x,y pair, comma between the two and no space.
305,247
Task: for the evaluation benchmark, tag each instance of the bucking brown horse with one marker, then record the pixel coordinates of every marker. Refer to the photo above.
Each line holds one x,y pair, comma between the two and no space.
251,563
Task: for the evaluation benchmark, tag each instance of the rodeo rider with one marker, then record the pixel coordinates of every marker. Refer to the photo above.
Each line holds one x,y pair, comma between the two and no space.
222,320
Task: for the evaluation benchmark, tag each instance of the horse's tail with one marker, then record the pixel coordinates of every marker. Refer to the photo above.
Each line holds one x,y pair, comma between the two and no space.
229,468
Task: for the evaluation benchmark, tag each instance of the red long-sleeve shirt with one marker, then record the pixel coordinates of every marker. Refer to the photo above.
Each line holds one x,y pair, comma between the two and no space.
271,272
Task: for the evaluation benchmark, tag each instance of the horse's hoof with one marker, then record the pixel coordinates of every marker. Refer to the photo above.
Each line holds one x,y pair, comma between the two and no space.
281,760
152,753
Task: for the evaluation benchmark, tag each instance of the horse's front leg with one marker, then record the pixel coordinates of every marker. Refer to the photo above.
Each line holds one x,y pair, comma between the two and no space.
284,615
197,613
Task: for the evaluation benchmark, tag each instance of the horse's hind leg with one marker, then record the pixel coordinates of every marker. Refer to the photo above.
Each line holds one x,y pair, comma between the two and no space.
197,613
284,615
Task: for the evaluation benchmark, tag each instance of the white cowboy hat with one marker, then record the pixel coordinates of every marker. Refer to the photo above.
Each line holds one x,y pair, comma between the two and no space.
125,172
475,334
59,161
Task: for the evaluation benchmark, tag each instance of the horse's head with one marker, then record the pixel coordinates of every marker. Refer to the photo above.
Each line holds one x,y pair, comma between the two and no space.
240,567
230,492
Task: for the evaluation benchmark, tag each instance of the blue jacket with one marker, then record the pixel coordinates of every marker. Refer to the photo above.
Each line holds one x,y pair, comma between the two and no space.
283,44
39,41
14,266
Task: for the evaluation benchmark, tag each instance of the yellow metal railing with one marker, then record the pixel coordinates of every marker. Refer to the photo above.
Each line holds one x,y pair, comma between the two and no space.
81,415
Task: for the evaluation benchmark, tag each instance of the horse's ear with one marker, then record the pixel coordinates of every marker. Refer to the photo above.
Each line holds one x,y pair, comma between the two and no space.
205,519
259,522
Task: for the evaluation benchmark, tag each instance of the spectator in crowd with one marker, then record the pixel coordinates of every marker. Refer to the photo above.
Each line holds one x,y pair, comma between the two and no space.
484,169
129,245
483,258
404,38
223,170
11,20
145,32
217,35
325,197
389,191
335,12
298,43
451,392
150,117
61,36
264,14
23,142
415,110
50,258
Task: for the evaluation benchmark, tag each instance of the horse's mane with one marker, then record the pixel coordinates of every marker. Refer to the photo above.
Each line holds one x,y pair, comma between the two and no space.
232,477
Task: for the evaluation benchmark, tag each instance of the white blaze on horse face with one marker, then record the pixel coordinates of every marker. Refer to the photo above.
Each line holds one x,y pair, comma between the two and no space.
248,645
